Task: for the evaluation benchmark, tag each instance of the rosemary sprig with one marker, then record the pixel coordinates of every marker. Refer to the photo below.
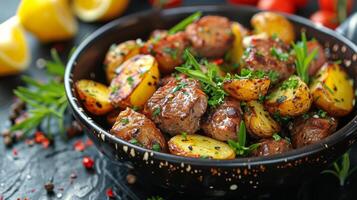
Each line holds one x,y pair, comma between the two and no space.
240,146
341,170
46,102
210,80
303,59
185,22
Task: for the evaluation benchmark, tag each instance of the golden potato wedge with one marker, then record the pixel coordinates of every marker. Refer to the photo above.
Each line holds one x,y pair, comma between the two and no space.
291,98
332,90
198,146
117,54
136,80
247,89
273,24
94,96
237,49
259,123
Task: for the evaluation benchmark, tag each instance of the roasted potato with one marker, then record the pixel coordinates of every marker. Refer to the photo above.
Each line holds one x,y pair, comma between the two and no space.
198,146
136,128
332,90
117,54
291,98
236,51
94,96
136,80
273,24
258,121
247,89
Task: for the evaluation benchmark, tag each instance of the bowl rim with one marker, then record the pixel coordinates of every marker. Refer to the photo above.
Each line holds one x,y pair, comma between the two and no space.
343,133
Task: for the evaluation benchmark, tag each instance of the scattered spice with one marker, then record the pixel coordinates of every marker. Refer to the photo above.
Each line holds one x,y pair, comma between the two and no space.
15,153
131,179
40,138
88,162
109,192
89,143
79,145
218,61
49,187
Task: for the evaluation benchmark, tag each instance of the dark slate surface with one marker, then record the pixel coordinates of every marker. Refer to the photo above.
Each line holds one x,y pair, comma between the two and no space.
24,175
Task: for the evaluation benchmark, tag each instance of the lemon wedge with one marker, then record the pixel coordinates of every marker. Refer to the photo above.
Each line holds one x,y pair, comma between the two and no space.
48,20
98,10
14,52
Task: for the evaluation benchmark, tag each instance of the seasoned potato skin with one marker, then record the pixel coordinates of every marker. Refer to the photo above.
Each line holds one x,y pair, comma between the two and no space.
311,130
291,101
198,146
136,80
222,122
94,96
258,121
270,147
332,90
117,54
133,125
247,89
273,24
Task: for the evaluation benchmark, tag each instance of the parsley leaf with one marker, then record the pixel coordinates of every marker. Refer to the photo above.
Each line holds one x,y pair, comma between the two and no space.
156,111
279,54
156,147
185,22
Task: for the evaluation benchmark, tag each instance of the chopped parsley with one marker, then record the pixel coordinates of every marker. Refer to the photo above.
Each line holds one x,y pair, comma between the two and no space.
321,113
130,80
134,141
327,87
179,86
156,111
279,54
276,137
156,147
124,121
281,119
136,108
171,51
184,135
291,83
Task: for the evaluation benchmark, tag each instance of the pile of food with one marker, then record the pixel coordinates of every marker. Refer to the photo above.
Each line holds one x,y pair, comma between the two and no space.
210,88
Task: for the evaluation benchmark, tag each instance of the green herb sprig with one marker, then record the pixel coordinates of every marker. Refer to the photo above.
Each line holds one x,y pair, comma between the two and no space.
342,170
210,80
46,102
240,146
303,59
185,22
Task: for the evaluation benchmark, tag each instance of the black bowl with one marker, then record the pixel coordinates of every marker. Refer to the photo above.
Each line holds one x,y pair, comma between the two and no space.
202,176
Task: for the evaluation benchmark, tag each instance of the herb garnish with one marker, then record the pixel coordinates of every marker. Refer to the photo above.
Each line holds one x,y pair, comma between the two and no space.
279,54
321,113
155,198
343,171
124,121
156,147
156,111
239,146
185,22
291,83
303,59
130,80
184,135
179,86
134,141
171,51
46,102
276,137
210,80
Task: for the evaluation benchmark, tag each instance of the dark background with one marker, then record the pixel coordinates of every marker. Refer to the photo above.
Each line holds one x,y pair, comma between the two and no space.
24,175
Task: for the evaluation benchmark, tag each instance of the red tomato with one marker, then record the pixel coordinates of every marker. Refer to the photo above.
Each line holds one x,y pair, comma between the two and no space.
331,5
326,18
300,3
165,3
286,6
249,2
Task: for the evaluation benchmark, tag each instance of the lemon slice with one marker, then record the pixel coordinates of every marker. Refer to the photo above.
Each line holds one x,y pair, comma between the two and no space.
48,20
14,52
98,10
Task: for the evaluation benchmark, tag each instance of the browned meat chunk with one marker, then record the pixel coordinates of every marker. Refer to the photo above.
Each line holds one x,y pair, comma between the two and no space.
222,123
138,129
269,55
320,58
177,106
272,147
211,36
311,130
167,50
